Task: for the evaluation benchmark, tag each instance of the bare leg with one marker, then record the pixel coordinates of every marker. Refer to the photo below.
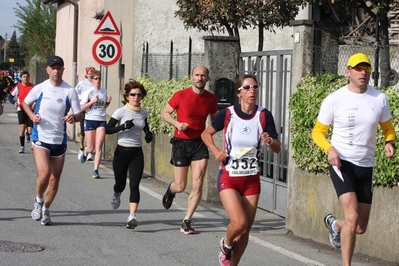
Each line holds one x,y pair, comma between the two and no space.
99,141
355,222
198,169
48,174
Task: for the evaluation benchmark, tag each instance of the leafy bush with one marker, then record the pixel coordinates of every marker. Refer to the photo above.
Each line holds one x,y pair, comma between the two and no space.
158,94
304,106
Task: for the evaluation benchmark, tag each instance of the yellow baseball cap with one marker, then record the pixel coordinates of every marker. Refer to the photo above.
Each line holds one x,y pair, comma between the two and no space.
358,58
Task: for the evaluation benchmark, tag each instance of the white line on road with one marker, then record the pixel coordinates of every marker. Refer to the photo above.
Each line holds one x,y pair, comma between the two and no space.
251,238
256,240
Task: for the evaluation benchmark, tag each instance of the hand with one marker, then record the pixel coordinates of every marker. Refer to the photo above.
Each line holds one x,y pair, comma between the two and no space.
220,156
94,99
109,99
148,136
182,126
389,150
333,157
36,119
128,124
266,138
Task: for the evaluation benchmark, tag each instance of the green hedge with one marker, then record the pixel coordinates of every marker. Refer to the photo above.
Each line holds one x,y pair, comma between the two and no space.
158,94
304,106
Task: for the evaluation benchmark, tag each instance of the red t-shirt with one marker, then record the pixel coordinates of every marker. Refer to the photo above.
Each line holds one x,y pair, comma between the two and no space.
21,91
193,109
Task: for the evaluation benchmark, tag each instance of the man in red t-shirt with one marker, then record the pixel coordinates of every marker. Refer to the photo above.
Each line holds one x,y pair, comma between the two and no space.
20,91
192,105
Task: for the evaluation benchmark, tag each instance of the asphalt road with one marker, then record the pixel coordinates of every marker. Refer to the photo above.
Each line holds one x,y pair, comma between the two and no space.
87,231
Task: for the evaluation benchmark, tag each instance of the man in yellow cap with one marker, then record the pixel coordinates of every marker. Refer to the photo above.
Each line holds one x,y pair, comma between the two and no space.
355,111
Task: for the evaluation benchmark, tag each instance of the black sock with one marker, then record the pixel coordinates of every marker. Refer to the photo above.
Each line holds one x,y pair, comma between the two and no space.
22,140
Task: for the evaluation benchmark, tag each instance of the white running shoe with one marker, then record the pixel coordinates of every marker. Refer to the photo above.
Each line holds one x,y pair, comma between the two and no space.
90,157
37,211
46,218
80,154
334,236
131,222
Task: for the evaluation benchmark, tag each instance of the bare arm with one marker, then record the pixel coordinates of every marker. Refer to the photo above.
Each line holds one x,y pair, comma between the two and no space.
34,117
210,143
166,115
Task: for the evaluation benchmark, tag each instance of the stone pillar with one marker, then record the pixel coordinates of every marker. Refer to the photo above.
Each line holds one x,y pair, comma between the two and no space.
302,52
221,57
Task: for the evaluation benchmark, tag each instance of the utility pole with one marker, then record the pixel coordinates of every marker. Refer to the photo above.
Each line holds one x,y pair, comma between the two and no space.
5,49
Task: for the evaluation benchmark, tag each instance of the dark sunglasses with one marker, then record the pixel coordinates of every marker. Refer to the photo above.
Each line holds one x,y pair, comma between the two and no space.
133,94
361,68
97,78
247,87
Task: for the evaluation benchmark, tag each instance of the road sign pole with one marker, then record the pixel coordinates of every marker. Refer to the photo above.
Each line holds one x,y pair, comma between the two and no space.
105,84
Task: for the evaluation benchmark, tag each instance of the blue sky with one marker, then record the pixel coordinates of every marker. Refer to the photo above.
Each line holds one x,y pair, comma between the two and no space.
8,18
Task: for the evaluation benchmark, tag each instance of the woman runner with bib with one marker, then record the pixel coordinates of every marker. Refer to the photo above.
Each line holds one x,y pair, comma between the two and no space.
245,127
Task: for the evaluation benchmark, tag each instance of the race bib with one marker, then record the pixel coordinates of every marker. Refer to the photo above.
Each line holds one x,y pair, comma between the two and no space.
243,162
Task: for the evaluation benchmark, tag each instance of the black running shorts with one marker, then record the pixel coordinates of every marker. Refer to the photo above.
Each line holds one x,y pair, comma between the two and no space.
356,179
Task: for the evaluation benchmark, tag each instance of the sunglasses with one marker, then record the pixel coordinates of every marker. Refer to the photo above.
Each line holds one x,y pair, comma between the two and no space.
247,87
133,94
97,78
361,68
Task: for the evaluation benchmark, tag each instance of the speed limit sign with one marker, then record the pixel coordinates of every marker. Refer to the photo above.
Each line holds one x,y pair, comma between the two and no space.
107,51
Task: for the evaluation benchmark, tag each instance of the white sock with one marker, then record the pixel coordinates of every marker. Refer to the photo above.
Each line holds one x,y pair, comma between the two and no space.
186,218
45,209
39,200
334,227
133,214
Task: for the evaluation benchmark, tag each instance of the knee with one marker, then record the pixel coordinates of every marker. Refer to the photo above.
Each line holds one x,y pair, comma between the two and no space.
239,226
361,228
178,187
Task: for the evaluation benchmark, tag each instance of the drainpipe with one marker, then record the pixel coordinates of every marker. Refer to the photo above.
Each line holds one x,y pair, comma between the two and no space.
74,50
75,43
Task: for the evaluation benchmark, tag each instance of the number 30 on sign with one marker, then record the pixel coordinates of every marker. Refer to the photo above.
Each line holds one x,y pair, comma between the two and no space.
107,51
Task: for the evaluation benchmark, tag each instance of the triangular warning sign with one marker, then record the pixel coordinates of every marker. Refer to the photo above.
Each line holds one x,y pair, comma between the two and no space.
107,26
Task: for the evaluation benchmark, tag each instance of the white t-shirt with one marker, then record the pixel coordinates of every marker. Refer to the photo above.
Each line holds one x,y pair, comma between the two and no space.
52,104
131,137
355,117
97,111
82,86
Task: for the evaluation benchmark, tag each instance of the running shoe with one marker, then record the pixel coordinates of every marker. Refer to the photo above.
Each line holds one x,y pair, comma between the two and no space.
167,199
116,201
21,150
27,137
37,211
186,227
46,218
131,222
83,158
335,237
96,174
80,154
224,254
90,157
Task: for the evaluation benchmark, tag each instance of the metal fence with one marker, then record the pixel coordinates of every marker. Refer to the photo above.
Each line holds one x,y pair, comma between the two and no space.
169,66
334,59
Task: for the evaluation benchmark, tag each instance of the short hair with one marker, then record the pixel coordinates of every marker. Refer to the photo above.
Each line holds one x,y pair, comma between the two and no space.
207,70
133,84
25,72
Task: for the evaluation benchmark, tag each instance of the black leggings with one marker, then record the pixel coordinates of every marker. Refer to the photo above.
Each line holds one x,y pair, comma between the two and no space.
131,159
